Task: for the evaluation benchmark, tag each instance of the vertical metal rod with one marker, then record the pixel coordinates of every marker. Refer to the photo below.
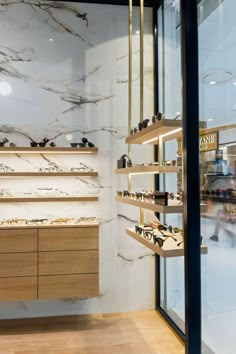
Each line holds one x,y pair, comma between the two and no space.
141,58
190,97
130,72
141,216
130,82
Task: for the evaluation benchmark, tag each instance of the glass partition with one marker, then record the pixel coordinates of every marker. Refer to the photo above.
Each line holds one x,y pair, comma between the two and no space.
217,90
169,98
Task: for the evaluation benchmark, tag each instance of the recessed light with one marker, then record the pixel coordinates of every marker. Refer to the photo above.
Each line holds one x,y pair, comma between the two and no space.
212,82
234,83
51,39
177,113
137,32
210,119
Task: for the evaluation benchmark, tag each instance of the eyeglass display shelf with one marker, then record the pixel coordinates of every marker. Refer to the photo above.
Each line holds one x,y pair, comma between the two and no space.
168,129
169,248
48,199
48,225
154,207
147,169
48,174
48,150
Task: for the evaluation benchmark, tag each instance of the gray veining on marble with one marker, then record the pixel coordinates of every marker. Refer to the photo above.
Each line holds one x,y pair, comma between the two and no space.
64,70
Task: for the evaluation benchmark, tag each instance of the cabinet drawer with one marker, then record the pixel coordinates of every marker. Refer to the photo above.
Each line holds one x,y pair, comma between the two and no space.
17,240
76,238
18,264
14,289
66,286
68,262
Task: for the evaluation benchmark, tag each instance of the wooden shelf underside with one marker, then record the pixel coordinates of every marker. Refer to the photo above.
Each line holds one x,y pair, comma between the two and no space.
147,169
154,207
48,174
48,150
169,248
48,199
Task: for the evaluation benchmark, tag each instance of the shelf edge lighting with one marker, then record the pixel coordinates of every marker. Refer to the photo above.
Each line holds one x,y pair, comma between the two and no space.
163,135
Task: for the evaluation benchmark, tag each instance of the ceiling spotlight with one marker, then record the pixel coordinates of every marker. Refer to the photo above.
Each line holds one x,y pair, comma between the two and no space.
210,119
51,39
137,32
234,83
177,113
212,82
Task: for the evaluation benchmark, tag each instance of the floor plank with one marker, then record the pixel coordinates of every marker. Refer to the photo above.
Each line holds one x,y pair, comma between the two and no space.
124,333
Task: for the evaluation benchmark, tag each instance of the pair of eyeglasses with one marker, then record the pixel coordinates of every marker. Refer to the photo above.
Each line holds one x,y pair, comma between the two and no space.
86,219
36,221
83,167
169,163
157,117
5,168
168,236
170,228
148,235
140,230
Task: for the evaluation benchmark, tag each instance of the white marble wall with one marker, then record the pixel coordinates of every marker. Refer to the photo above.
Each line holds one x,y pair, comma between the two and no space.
63,70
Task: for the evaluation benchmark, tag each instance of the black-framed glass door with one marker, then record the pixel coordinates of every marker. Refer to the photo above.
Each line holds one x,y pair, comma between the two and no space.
179,283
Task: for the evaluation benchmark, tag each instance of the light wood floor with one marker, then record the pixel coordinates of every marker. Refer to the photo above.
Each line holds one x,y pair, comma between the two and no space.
125,333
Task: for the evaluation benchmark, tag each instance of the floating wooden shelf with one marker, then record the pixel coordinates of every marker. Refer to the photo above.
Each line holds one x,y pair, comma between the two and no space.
168,129
154,207
169,249
48,150
47,226
48,174
147,169
164,126
48,199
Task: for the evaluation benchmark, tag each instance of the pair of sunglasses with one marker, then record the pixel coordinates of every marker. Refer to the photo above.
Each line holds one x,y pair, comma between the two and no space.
140,230
42,143
157,117
169,163
143,124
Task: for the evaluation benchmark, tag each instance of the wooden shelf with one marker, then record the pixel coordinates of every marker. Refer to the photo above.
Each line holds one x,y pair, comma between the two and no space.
47,150
47,226
169,249
154,207
48,199
147,169
48,174
164,126
168,129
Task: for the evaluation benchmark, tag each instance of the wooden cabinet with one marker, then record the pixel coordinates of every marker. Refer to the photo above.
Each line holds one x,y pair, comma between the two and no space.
19,288
18,240
68,262
75,238
18,264
64,286
43,263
